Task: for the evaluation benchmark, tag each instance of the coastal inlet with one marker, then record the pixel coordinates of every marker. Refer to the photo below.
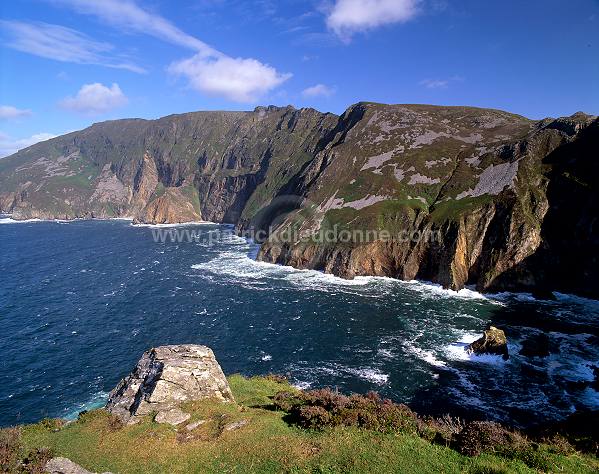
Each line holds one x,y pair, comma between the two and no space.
80,301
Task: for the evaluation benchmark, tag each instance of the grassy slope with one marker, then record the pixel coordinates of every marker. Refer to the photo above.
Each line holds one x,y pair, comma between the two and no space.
266,444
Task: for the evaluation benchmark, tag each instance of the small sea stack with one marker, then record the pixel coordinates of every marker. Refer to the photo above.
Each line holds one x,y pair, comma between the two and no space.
493,342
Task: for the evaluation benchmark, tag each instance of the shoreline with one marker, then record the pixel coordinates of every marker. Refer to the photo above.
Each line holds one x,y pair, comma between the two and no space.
5,218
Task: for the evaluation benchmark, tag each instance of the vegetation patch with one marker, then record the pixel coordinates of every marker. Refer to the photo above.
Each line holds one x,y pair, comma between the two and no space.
275,428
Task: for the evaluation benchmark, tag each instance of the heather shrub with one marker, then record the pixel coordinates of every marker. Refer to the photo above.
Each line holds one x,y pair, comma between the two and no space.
440,430
313,417
558,444
10,446
318,409
285,401
51,424
35,461
479,437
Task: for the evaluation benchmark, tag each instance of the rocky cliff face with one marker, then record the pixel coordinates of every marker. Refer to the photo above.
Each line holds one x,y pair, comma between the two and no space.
455,195
467,196
203,165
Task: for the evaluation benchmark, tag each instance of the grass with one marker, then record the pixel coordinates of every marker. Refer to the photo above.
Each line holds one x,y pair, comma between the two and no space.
268,443
452,210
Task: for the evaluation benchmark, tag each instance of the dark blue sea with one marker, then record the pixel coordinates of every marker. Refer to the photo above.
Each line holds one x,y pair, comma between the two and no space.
81,301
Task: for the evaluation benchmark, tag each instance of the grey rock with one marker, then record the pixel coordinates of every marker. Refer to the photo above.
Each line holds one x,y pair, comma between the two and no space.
173,417
164,378
235,425
194,425
65,466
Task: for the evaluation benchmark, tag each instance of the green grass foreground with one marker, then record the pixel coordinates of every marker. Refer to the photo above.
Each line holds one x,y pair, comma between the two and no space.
266,444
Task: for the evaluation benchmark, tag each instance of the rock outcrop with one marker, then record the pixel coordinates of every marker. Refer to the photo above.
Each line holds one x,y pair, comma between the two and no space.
65,466
454,195
163,379
493,342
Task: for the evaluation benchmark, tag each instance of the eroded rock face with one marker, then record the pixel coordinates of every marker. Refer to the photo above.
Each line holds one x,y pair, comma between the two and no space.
492,342
164,378
173,206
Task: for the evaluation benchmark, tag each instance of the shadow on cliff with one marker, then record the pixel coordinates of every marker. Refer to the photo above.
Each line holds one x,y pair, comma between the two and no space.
568,258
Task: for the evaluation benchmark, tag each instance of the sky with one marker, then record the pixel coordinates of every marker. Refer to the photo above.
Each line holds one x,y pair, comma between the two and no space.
65,64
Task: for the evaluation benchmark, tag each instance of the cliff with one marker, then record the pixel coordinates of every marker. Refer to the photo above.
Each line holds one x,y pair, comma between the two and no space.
454,195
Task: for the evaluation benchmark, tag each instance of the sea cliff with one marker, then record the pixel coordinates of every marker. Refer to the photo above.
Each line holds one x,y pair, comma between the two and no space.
454,195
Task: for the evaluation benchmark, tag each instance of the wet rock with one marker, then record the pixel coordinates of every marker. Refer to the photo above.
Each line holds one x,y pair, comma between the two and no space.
164,378
173,417
492,342
65,466
536,346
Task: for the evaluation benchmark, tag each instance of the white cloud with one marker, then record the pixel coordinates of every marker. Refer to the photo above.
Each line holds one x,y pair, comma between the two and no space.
237,79
209,70
351,16
319,90
127,15
8,145
95,99
440,83
10,112
434,83
61,44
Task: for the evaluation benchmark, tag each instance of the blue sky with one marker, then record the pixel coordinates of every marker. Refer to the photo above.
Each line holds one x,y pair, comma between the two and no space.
65,64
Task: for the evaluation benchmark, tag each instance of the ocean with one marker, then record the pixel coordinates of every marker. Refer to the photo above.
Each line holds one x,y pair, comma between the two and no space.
81,301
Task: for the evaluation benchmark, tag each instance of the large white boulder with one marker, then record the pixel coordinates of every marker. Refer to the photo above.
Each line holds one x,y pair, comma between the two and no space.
164,378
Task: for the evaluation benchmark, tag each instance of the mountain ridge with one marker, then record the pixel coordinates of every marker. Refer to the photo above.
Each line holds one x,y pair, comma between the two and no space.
494,188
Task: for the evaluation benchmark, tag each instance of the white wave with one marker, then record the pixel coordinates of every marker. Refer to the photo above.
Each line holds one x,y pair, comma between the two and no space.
370,374
10,220
302,384
266,357
240,262
386,354
572,368
457,351
427,356
237,265
179,224
97,400
430,289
